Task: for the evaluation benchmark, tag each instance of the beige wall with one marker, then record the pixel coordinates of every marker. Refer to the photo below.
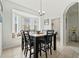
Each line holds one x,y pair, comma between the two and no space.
54,9
7,40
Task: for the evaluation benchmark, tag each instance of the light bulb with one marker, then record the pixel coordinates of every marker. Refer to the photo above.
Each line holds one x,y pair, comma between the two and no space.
39,11
43,12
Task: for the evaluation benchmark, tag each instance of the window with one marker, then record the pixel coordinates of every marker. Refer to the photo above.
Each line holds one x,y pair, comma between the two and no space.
24,21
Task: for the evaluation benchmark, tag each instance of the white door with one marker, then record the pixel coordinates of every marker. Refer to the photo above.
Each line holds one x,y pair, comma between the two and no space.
56,26
0,38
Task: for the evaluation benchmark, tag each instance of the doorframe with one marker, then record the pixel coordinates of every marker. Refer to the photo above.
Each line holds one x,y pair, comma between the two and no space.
57,18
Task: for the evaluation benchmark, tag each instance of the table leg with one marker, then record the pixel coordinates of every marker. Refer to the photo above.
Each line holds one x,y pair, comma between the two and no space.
54,41
36,48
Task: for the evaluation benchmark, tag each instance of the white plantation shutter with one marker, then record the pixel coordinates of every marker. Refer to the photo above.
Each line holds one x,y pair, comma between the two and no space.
0,38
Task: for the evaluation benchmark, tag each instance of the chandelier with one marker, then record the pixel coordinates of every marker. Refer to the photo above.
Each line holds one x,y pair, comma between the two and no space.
41,12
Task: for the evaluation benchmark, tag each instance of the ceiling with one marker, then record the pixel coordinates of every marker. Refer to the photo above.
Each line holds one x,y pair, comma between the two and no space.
53,8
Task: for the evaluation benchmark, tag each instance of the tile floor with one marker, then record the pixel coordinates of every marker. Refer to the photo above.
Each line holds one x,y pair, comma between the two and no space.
67,52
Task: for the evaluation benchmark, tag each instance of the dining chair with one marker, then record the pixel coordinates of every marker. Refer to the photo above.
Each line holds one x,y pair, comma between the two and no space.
46,42
24,43
30,43
26,36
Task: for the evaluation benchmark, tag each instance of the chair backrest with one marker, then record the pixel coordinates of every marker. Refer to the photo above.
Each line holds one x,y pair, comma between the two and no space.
24,36
49,35
26,33
23,40
28,37
50,32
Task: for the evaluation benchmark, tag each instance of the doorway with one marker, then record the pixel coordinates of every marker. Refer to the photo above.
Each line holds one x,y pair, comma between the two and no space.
71,29
72,23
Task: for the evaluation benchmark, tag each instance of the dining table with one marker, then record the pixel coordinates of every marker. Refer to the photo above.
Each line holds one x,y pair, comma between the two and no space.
37,38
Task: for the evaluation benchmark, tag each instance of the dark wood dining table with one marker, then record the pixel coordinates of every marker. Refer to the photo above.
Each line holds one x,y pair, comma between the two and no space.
36,38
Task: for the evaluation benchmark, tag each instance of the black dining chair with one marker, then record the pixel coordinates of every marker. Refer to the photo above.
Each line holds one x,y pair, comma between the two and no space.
26,35
22,42
46,42
25,43
30,43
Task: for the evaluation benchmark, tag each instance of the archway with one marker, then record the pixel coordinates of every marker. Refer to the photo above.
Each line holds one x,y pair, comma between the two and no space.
73,7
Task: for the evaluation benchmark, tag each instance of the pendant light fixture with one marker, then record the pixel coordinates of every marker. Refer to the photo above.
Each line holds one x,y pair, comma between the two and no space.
41,12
